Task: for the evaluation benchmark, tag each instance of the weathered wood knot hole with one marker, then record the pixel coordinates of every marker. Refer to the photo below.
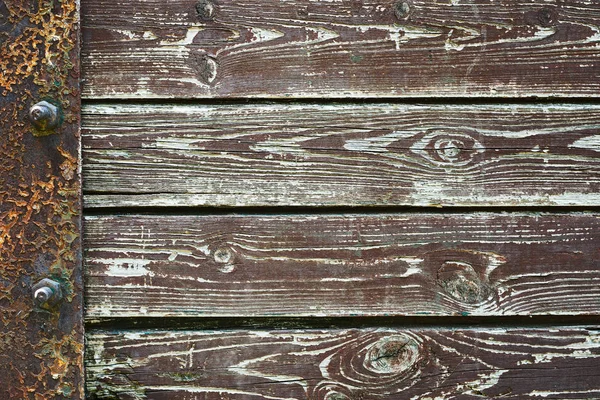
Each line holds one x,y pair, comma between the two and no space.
336,396
205,9
402,10
302,12
547,17
461,282
395,354
224,256
206,66
328,390
448,148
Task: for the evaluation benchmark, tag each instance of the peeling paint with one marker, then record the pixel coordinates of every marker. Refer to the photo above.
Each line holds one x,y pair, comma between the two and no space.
40,203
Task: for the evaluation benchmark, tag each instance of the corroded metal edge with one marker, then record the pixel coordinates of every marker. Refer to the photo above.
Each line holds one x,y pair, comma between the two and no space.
41,350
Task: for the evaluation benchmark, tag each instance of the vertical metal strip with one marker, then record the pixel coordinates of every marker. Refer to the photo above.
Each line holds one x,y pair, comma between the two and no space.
41,341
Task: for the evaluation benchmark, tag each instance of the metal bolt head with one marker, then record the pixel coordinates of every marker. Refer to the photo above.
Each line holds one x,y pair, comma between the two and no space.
44,116
47,293
42,295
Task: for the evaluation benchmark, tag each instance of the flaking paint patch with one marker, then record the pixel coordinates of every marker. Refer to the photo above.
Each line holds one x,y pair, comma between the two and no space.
265,35
126,267
588,143
549,357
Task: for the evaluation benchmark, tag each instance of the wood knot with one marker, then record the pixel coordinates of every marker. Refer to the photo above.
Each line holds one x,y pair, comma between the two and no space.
206,67
547,17
302,12
336,396
394,354
225,257
544,17
402,10
328,390
205,9
448,148
372,361
461,282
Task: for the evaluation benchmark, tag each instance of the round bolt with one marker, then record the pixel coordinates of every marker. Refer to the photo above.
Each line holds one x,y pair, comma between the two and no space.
44,116
47,293
42,295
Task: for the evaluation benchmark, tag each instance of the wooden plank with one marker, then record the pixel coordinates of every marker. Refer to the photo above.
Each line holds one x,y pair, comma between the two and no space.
341,155
516,363
346,48
41,342
348,265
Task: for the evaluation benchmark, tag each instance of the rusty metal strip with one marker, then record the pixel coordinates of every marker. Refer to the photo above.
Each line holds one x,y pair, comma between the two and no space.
41,345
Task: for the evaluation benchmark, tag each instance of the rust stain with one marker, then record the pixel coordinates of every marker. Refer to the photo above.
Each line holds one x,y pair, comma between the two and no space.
40,222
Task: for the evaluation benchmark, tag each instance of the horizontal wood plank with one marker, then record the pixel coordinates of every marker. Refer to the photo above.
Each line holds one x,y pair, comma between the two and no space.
346,48
560,363
347,265
341,155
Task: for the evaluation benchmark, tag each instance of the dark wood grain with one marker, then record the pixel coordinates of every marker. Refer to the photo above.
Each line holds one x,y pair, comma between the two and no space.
351,265
560,363
349,155
346,48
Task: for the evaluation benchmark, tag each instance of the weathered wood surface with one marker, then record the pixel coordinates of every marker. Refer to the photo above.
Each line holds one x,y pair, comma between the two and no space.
560,363
351,265
346,48
331,155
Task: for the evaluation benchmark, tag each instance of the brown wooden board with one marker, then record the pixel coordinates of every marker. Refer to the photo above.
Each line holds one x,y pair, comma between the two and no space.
349,155
347,265
41,347
511,363
346,48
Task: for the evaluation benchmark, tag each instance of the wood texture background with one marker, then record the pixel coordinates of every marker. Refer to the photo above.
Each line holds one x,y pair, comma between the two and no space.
182,268
347,48
559,363
351,265
348,155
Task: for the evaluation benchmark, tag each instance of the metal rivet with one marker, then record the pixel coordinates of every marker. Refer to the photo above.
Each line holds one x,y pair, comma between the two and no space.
44,116
205,9
42,295
47,293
